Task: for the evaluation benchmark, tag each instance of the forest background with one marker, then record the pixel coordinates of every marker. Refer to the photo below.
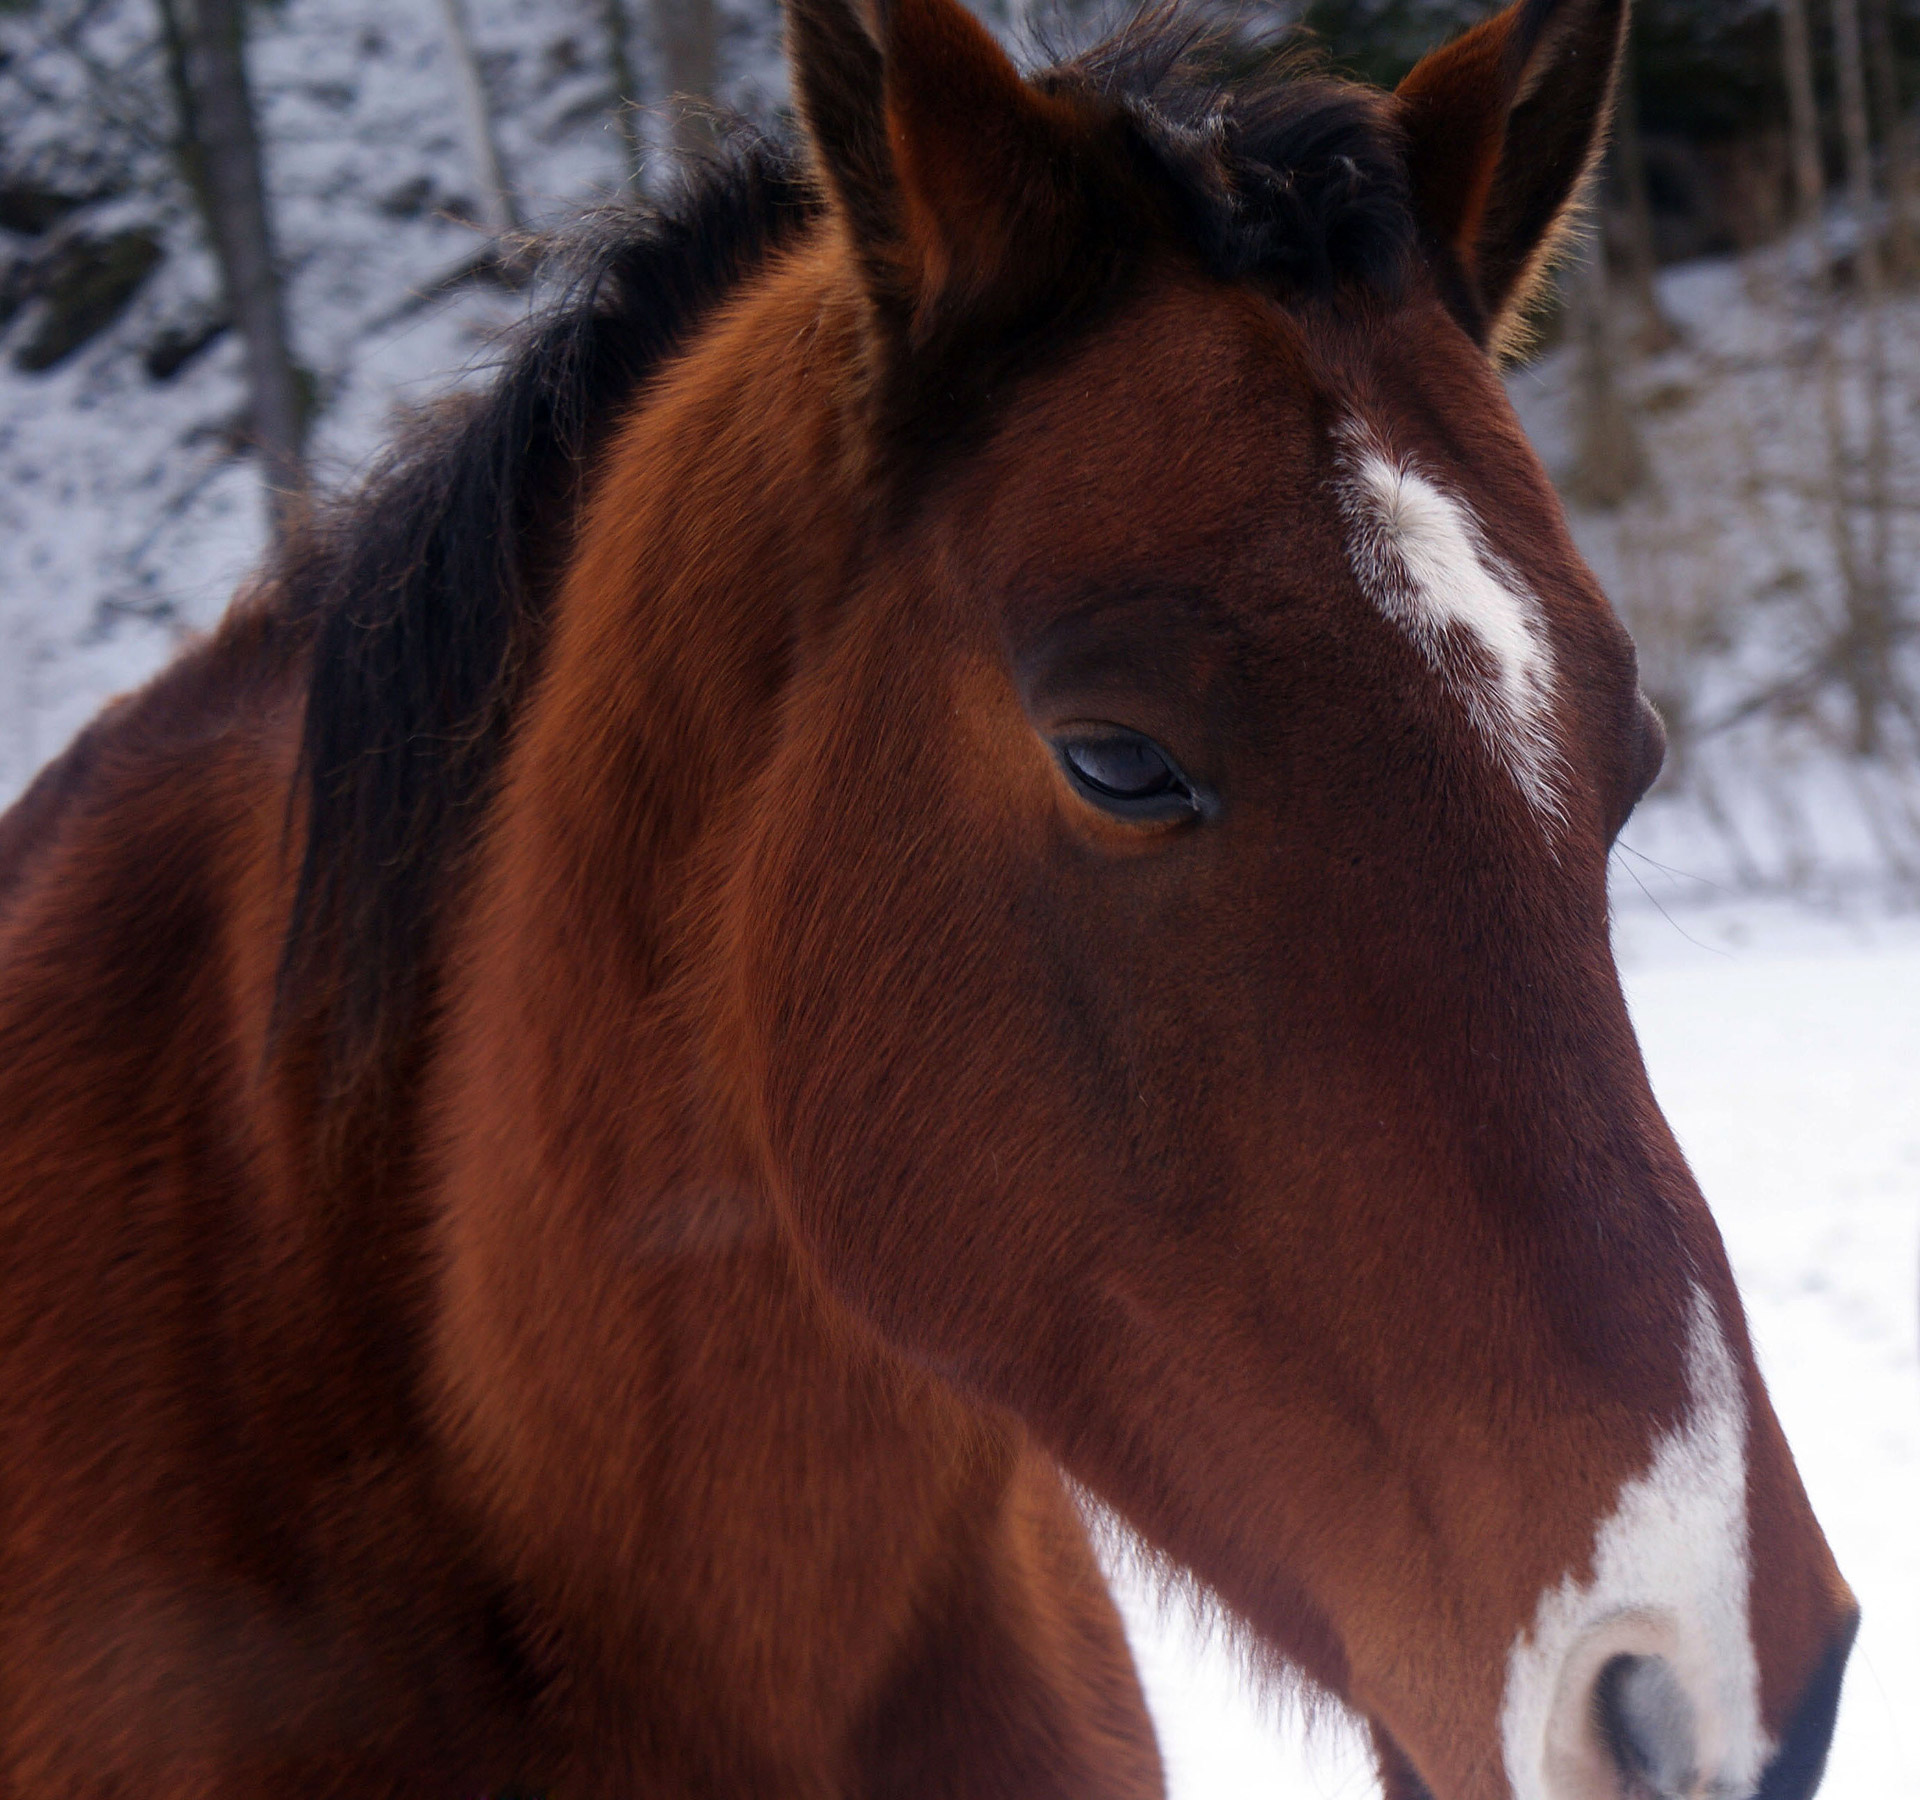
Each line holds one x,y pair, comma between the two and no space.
236,236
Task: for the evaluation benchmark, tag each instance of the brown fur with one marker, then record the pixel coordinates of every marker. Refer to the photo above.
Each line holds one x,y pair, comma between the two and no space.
814,1126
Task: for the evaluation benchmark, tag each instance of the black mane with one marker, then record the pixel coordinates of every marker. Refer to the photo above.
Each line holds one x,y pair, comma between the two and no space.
425,590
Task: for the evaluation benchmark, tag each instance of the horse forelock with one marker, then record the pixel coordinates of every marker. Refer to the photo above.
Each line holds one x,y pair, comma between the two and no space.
1278,169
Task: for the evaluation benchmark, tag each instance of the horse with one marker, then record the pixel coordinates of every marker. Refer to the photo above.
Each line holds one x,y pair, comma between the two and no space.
939,875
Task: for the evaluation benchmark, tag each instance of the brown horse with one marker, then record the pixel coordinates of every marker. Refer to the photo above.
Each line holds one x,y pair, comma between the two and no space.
955,843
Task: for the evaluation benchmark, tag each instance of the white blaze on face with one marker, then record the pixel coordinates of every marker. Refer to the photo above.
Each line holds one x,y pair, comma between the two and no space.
1421,558
1670,1580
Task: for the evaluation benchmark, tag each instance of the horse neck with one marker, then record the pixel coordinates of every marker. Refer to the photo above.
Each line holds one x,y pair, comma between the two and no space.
619,1296
583,1073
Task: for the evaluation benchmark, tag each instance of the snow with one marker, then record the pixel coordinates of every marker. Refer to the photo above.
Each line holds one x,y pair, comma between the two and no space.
1784,1045
126,518
1724,565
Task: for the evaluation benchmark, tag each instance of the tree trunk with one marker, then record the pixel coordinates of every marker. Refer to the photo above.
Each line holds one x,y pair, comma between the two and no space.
1870,622
1657,331
497,210
626,85
689,55
1896,140
221,151
1803,124
1609,461
1803,113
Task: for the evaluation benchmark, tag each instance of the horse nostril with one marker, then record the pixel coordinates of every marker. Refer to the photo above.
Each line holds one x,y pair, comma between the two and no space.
1646,1721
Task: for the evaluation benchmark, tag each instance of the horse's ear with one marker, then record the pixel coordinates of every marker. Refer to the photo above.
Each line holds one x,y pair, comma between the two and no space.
954,178
1504,127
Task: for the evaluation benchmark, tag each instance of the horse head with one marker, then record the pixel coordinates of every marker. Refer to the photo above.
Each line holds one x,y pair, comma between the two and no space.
1149,870
1222,1064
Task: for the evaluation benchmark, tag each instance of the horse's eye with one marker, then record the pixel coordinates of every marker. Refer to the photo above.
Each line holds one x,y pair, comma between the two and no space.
1127,774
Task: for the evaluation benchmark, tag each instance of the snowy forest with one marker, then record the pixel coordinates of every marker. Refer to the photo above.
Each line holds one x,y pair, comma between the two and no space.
236,238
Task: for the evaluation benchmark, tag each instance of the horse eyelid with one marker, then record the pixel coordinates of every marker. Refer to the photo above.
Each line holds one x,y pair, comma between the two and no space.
1187,799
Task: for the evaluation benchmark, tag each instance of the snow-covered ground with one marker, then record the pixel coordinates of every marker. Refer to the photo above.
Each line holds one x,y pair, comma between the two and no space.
125,515
1785,1047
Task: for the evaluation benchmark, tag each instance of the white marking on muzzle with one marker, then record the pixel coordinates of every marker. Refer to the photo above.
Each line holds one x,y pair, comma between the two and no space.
1670,1581
1421,558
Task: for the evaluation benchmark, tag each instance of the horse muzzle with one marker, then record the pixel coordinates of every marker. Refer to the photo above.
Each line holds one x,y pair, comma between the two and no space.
1633,1721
